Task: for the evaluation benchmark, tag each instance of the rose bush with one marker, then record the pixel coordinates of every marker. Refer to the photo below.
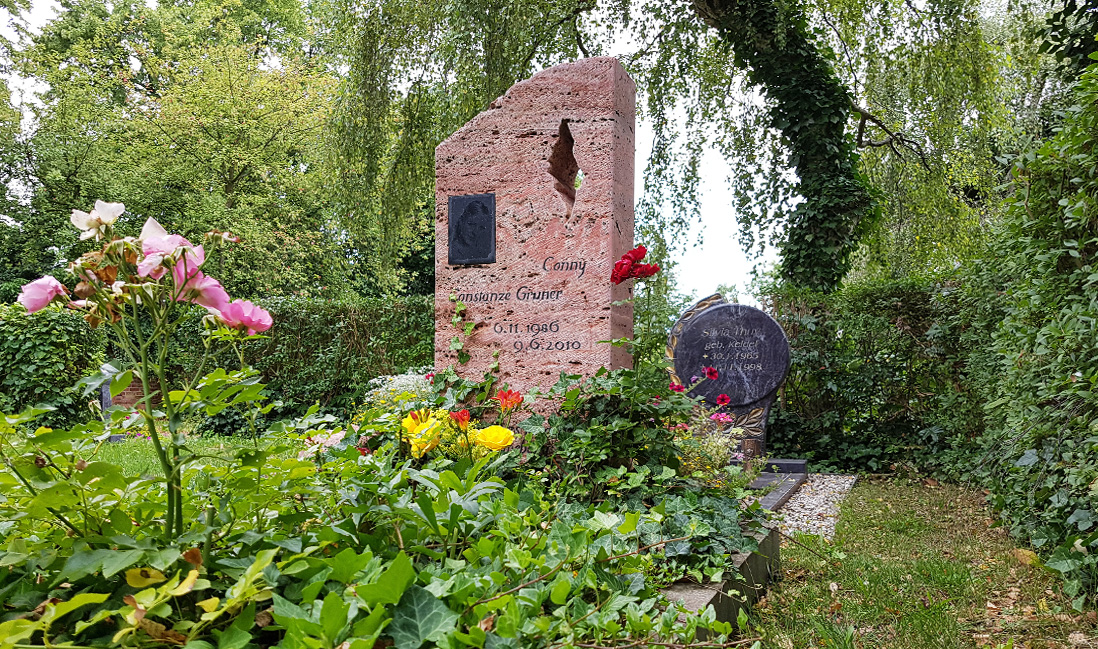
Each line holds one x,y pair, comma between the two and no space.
152,278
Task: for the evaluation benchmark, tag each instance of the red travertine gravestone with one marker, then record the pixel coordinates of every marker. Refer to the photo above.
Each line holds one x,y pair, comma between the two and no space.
536,279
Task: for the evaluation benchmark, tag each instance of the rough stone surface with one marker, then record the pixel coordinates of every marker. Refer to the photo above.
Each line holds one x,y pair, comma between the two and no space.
546,300
748,349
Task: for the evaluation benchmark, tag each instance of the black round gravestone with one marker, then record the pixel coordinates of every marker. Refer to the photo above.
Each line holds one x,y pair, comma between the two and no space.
746,347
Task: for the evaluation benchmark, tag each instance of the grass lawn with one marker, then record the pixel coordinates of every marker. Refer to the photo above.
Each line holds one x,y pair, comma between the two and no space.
915,566
137,456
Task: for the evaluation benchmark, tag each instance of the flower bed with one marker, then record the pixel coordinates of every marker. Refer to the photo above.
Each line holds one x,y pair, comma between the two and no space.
450,517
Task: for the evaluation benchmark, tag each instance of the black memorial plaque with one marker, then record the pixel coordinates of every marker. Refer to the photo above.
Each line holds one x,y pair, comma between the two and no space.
748,349
472,229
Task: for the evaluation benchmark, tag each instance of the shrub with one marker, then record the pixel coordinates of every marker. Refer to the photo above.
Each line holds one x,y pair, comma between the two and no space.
328,351
1044,408
42,356
877,376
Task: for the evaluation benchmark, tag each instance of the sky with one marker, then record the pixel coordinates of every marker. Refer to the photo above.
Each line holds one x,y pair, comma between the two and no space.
711,255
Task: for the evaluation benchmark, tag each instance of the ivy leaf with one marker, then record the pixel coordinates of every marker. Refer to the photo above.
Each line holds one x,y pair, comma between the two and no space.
1083,518
389,588
559,594
347,564
602,521
1029,458
333,615
421,617
1063,563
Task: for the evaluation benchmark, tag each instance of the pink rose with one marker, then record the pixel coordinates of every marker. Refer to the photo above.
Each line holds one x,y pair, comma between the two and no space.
164,245
158,246
187,265
242,313
204,290
40,292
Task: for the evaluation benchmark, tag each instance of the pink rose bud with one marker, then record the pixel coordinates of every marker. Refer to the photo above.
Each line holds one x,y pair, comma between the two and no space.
40,292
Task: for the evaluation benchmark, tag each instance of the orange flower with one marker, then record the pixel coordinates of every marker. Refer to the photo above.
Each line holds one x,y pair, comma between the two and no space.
508,399
461,418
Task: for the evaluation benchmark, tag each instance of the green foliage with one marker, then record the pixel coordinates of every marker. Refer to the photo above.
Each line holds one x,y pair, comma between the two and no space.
42,356
327,351
1070,33
346,547
937,100
988,373
416,73
1044,408
877,377
175,111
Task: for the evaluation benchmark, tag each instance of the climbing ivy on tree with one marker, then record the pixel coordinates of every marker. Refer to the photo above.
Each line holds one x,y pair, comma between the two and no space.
811,108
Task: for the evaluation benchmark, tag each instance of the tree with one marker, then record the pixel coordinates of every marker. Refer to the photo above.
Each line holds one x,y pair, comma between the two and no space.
189,116
916,100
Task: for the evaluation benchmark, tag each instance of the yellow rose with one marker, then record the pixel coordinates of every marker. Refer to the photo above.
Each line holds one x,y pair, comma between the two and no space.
495,438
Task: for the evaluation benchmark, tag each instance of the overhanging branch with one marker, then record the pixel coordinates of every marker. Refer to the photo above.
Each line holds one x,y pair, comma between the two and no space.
893,140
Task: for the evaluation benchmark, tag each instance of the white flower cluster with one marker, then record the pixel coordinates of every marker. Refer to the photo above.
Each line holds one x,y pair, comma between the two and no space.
384,389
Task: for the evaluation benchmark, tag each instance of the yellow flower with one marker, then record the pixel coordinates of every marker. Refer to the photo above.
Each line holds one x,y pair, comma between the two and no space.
422,431
424,445
495,438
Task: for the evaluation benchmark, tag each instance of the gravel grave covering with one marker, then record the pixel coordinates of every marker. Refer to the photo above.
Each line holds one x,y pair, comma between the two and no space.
815,507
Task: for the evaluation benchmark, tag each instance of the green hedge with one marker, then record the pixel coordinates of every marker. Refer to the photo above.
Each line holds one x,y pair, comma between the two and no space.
879,377
42,356
328,350
990,374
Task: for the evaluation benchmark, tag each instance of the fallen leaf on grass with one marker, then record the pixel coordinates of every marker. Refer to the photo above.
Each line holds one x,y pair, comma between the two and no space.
1026,557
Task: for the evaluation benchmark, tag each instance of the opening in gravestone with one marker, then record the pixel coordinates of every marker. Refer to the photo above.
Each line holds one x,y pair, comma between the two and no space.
564,169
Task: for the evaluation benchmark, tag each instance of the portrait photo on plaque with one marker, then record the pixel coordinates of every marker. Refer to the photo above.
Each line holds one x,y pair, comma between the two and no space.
472,229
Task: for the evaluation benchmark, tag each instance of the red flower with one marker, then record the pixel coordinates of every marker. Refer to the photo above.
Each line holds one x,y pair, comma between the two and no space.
628,267
461,418
621,271
430,376
640,271
636,254
723,400
676,387
711,373
508,399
